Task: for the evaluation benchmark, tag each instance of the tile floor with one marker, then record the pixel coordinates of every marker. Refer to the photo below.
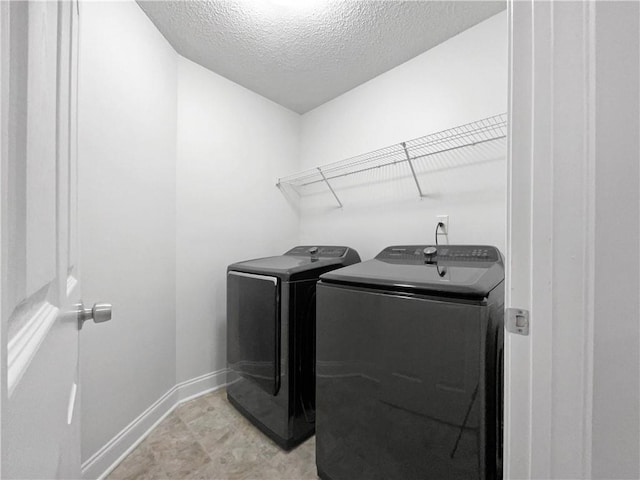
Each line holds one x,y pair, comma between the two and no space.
207,438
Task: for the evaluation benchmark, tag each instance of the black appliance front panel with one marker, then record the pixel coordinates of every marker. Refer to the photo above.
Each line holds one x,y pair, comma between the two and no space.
475,255
288,417
253,329
401,387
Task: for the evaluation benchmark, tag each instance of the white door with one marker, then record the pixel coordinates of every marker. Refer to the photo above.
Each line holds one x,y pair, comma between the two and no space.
40,287
573,250
547,391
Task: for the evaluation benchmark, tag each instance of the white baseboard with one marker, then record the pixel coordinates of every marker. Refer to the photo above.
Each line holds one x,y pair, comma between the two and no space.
200,385
101,463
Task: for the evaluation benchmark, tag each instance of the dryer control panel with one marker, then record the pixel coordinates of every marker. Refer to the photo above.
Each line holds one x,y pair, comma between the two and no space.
412,254
317,251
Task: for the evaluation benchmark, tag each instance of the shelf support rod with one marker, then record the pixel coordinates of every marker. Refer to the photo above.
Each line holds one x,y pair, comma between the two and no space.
413,172
329,185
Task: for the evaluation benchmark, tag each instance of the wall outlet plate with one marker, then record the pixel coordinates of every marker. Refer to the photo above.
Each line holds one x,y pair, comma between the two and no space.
444,219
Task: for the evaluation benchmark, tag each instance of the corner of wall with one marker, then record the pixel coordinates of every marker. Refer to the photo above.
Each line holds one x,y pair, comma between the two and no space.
99,465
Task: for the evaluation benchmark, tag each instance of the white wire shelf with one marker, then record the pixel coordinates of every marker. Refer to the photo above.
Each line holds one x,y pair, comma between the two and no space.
413,153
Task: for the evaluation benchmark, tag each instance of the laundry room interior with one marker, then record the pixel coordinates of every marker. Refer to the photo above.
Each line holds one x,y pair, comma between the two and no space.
324,229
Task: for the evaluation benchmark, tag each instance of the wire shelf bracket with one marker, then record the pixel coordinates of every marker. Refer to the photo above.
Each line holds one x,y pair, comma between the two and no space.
412,152
413,171
330,187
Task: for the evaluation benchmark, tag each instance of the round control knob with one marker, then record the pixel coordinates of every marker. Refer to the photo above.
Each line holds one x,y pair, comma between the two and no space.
430,251
313,250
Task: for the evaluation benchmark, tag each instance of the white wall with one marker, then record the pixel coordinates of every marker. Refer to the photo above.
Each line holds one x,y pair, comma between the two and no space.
127,194
177,180
232,146
616,329
462,80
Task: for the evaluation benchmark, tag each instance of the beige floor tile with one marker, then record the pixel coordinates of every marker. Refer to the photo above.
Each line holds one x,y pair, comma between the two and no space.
187,459
207,439
140,464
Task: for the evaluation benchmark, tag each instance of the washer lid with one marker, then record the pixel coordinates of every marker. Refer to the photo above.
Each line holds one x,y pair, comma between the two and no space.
465,270
300,262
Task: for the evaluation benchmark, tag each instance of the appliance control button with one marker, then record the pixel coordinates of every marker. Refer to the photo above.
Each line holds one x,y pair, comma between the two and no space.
429,251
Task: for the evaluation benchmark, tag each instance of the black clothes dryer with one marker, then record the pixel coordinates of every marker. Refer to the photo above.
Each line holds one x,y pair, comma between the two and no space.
409,366
271,307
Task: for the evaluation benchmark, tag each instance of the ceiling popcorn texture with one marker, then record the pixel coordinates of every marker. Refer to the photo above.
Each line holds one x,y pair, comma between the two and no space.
306,53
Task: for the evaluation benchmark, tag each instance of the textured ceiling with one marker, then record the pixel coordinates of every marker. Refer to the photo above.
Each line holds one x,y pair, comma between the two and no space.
303,53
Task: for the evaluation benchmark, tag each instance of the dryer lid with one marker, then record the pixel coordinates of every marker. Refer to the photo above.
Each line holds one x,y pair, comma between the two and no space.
301,261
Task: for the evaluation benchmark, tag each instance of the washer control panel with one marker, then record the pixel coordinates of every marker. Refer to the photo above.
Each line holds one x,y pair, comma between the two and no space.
317,251
440,253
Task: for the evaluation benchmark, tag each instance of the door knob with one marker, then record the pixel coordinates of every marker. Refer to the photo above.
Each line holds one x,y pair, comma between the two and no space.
101,312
